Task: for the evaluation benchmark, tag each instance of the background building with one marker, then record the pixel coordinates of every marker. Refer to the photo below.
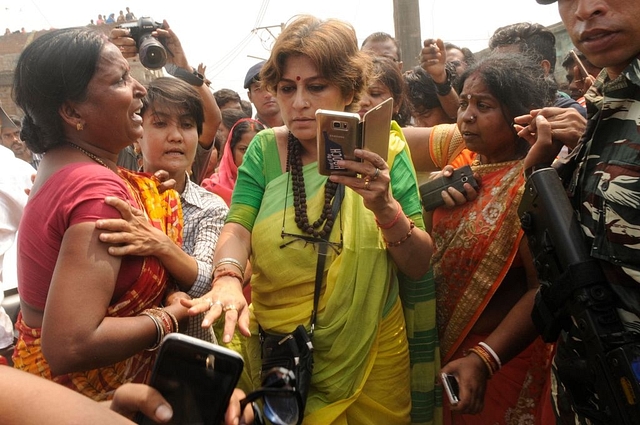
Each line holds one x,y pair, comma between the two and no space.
11,45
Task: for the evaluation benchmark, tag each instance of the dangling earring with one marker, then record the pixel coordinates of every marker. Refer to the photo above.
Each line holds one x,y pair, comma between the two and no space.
79,126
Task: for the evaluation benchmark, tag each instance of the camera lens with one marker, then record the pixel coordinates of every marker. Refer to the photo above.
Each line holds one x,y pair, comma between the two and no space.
152,53
336,124
281,410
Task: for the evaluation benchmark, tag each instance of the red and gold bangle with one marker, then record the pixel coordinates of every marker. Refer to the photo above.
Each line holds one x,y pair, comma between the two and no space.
487,359
403,239
165,318
492,353
391,223
174,320
230,273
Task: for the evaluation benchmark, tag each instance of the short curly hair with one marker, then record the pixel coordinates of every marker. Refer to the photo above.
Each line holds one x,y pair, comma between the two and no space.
333,48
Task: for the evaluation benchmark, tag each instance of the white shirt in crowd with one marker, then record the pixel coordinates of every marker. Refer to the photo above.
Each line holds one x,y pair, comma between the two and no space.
14,179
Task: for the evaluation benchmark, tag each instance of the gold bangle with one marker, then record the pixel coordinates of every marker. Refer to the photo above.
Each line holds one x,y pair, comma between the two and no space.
159,330
232,262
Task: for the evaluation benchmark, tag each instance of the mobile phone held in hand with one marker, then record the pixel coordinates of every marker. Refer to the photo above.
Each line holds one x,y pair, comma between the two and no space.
339,133
451,387
431,191
196,377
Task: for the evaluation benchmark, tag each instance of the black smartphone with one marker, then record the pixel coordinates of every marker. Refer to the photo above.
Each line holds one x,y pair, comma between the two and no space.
196,377
431,191
450,384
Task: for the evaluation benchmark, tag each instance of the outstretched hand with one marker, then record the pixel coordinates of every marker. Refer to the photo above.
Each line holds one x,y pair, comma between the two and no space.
225,299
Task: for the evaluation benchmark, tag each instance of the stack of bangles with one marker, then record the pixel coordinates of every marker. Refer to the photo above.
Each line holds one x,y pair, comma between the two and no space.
165,323
488,356
222,272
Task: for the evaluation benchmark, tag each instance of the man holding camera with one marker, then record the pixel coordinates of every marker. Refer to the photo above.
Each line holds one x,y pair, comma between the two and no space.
602,179
157,45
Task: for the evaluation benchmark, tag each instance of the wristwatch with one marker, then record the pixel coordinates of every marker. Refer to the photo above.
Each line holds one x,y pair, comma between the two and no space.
192,77
443,89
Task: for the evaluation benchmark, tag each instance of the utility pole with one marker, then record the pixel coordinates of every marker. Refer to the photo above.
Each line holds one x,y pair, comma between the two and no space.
406,20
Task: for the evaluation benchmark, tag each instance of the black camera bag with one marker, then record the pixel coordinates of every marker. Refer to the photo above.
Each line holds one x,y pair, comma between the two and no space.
292,351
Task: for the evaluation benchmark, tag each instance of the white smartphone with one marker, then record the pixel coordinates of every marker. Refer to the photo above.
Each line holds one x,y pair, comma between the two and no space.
451,387
196,377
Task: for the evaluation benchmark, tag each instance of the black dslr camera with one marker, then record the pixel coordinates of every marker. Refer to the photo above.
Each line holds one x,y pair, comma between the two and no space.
153,54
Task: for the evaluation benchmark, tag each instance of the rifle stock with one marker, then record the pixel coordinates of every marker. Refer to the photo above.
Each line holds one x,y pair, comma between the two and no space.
575,303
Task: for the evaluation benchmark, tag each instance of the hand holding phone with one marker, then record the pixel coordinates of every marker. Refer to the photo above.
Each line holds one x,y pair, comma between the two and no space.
431,191
196,377
451,387
339,133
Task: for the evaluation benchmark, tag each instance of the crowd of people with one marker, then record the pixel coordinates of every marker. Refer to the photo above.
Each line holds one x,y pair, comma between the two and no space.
113,19
186,211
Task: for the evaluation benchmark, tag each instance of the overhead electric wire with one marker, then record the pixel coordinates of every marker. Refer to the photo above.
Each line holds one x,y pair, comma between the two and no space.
228,58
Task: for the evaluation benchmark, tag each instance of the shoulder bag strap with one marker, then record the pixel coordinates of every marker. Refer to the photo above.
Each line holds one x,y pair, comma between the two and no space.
322,257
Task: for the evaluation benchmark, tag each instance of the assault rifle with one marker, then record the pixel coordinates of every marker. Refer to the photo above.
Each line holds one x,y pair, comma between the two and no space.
575,305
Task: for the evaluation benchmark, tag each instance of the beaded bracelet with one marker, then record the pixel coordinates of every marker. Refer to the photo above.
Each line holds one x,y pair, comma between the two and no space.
230,273
391,223
493,353
404,238
232,262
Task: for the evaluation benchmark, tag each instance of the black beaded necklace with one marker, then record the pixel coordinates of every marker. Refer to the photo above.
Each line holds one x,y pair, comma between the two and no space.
323,225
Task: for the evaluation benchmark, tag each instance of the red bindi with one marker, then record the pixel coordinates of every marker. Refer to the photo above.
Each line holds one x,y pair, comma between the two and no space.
298,78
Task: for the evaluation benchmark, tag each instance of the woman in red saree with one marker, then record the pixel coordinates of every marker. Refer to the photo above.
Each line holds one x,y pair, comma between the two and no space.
485,279
86,316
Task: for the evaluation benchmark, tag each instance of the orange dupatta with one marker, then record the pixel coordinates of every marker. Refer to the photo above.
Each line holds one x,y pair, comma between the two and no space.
475,245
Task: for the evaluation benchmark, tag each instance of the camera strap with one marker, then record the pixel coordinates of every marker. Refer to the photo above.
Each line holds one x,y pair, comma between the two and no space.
192,77
322,257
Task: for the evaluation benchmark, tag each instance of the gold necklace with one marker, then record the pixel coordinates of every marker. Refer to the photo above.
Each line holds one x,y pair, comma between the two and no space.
90,155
